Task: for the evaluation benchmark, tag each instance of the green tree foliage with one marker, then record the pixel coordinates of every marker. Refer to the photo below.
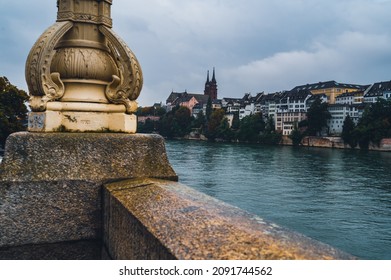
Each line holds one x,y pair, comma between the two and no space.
375,124
148,127
235,121
296,135
317,116
183,121
166,125
270,138
348,132
179,123
13,110
250,128
176,123
209,109
270,125
224,131
199,122
215,120
151,111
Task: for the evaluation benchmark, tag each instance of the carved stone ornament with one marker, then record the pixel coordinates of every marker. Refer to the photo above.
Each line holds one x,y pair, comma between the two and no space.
43,85
78,53
126,88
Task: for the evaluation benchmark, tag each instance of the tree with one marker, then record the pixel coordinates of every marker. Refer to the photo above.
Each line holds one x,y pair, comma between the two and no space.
224,131
182,121
200,121
159,111
147,127
270,138
13,110
296,135
270,125
166,125
375,124
250,128
317,117
214,122
348,132
235,121
209,109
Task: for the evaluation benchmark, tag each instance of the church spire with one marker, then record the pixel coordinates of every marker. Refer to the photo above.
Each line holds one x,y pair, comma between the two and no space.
211,86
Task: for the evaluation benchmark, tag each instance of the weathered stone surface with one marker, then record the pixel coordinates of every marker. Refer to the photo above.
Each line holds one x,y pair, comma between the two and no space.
79,250
49,212
50,184
152,219
84,156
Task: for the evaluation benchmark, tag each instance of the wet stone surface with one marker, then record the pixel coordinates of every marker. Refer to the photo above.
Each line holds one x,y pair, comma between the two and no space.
185,224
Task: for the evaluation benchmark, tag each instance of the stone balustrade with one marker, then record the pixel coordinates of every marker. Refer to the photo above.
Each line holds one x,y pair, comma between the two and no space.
115,196
156,219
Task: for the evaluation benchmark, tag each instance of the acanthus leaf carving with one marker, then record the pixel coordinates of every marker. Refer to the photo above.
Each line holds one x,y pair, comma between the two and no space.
118,96
39,79
126,88
53,86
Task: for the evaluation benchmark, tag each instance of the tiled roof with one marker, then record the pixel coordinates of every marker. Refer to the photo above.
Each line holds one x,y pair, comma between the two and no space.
300,94
328,84
179,97
378,89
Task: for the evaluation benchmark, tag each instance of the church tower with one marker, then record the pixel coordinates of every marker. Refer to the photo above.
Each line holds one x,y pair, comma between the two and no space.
211,86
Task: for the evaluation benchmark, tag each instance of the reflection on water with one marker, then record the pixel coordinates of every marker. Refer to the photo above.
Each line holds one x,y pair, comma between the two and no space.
339,197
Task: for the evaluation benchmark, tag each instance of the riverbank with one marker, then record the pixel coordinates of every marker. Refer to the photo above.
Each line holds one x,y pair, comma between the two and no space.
336,143
314,141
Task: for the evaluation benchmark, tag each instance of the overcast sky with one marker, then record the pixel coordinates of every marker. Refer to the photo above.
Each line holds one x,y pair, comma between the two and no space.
255,45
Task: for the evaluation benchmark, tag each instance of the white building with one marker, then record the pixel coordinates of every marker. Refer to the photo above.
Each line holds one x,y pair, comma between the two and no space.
291,109
378,90
350,98
247,110
339,112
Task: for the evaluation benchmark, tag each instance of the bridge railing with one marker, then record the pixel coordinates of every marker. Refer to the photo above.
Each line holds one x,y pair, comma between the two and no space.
157,219
52,207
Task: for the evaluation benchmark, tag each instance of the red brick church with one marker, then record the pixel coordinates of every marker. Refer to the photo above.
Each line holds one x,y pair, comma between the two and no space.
190,100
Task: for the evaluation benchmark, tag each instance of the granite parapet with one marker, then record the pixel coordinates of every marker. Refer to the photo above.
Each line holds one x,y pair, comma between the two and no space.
51,183
84,156
78,250
184,224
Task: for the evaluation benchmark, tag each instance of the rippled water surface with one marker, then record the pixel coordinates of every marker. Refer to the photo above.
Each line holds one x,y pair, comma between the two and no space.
339,197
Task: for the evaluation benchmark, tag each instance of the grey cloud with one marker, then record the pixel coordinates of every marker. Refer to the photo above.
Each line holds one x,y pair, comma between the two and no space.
255,45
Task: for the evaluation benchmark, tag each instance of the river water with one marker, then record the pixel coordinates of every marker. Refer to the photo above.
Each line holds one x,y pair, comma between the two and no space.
339,197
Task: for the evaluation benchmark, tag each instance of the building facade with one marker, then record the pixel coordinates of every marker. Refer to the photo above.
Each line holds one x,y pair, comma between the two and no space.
331,89
378,90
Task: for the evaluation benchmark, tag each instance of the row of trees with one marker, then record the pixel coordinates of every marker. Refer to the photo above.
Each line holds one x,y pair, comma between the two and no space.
374,125
13,109
254,129
214,125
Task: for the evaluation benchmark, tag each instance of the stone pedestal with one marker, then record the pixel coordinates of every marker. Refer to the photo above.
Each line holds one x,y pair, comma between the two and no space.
82,77
71,121
50,183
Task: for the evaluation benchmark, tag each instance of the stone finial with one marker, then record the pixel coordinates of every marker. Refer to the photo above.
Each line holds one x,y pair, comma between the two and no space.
81,75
